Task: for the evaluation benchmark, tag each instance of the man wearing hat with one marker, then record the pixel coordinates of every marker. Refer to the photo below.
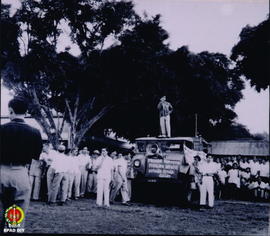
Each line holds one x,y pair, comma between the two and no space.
60,179
165,109
92,176
84,160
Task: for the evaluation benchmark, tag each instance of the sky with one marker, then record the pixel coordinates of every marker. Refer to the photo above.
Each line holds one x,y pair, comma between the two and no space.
212,25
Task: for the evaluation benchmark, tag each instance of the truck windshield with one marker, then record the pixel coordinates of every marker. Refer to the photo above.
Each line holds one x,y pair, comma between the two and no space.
165,146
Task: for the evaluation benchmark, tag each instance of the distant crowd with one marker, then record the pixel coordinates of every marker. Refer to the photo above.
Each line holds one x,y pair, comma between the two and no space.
61,176
237,177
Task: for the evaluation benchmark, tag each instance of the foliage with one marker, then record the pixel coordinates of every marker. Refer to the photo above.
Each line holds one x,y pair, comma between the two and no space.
118,86
251,54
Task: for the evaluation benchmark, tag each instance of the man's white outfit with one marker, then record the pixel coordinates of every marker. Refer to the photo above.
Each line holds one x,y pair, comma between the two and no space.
207,186
104,177
84,160
120,180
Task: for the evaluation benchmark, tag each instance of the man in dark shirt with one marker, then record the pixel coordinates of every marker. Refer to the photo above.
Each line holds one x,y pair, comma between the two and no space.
165,109
20,143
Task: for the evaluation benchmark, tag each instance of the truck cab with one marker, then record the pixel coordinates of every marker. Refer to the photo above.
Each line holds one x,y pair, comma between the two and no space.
162,159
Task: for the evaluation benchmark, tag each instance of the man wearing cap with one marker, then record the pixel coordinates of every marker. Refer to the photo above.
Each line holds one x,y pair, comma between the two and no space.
60,180
165,109
20,143
35,174
50,170
84,161
207,169
120,180
75,179
92,176
74,174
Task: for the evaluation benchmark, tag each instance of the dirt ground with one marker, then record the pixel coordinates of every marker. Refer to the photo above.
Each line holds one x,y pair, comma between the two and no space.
83,217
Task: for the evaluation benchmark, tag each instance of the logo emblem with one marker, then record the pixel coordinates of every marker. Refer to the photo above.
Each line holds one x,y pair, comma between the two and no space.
14,215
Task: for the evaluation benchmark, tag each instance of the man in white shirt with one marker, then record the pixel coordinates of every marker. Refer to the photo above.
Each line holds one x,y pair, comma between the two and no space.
254,167
258,187
84,160
104,178
243,163
264,170
120,180
130,175
234,182
60,179
222,175
35,173
50,171
207,170
74,176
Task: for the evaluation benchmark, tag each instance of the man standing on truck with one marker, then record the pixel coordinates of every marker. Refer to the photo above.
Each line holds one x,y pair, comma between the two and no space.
165,109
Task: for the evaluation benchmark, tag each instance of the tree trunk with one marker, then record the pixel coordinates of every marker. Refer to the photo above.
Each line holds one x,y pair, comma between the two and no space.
87,125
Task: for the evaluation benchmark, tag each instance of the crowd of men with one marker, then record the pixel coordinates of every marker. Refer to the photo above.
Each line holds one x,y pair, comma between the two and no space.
60,176
237,177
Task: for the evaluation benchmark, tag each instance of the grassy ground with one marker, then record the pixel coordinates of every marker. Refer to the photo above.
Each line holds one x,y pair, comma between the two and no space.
83,217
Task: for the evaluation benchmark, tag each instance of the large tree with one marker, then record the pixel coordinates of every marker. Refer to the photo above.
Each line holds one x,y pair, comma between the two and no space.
129,76
252,54
51,80
202,84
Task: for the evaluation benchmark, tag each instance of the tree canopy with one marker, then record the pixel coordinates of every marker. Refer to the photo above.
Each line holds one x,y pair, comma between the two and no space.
252,54
117,86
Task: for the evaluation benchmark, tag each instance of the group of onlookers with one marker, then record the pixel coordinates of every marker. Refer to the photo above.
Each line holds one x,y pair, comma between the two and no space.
237,177
60,176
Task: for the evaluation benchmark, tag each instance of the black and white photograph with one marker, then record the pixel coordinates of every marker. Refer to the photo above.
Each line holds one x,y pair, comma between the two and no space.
135,117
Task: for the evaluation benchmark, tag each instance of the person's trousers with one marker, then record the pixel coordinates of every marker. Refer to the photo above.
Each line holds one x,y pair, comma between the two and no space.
129,186
123,187
207,187
50,175
84,174
35,182
165,125
59,184
92,183
103,191
77,182
15,189
71,180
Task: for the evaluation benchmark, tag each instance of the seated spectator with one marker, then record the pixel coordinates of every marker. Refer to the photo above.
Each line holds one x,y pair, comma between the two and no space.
233,182
244,164
264,170
258,188
228,164
254,167
222,175
245,177
267,190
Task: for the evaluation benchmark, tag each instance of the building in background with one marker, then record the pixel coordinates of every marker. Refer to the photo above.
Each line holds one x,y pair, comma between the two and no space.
248,148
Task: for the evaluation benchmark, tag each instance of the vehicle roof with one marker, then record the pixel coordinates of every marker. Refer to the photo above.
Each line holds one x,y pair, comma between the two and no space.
165,139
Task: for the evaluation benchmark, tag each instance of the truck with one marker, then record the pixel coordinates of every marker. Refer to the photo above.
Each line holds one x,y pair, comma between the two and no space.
160,161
